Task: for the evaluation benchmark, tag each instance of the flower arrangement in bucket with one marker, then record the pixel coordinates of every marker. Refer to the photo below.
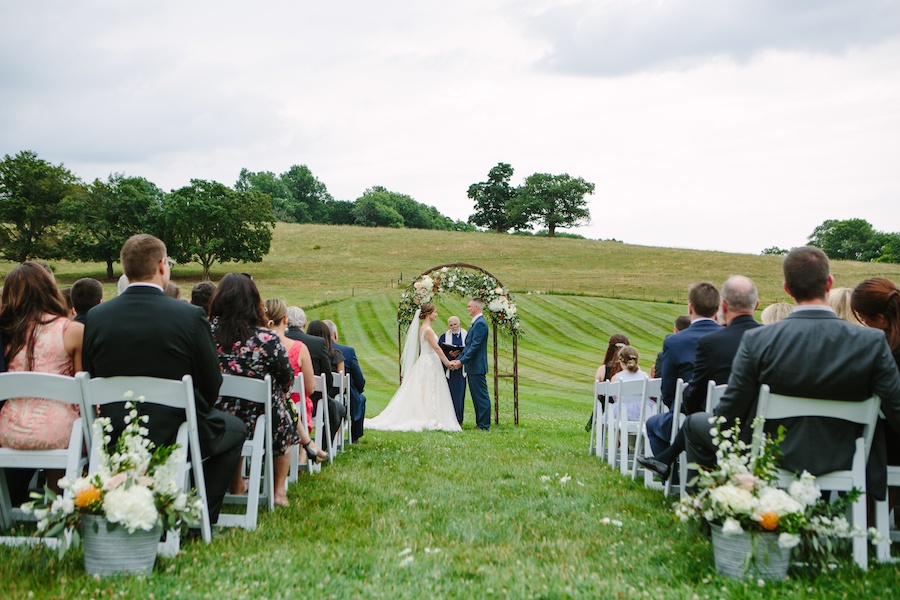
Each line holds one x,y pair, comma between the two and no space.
133,494
757,526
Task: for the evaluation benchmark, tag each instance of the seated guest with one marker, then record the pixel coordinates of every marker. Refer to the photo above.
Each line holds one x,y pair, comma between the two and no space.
813,354
877,302
775,312
320,329
357,385
247,348
39,337
173,291
630,371
201,294
87,293
321,361
301,363
67,298
609,367
839,300
681,322
144,333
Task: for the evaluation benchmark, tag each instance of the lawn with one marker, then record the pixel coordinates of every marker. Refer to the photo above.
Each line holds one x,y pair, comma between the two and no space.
517,512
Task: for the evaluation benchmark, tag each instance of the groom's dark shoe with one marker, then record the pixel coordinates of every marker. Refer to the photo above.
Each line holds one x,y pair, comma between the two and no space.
655,466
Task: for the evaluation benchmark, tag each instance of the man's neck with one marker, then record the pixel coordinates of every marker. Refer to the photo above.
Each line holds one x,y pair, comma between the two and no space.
813,302
731,316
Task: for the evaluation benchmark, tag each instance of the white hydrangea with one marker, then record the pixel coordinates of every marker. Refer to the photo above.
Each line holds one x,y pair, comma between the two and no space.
733,500
804,490
132,507
788,540
732,527
774,500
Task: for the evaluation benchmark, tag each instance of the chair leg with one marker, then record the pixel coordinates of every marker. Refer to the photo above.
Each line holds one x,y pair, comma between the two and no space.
883,524
860,550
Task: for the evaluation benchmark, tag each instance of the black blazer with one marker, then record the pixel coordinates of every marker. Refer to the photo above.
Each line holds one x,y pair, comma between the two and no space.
143,332
715,353
814,354
357,382
679,351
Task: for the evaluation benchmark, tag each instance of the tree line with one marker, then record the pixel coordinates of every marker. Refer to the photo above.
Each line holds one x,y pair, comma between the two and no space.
852,239
47,212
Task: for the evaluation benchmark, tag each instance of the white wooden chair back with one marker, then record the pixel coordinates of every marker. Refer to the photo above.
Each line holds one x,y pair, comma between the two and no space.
346,426
598,421
339,382
71,458
714,393
630,392
310,466
778,406
612,398
677,422
258,449
884,517
173,393
322,420
652,391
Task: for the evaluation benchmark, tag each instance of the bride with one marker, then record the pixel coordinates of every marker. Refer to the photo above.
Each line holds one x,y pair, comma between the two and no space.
423,400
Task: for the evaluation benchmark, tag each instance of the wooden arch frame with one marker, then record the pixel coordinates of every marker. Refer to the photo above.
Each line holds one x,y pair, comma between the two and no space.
402,325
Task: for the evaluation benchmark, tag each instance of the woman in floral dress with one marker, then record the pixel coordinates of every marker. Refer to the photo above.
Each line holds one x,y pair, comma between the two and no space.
246,348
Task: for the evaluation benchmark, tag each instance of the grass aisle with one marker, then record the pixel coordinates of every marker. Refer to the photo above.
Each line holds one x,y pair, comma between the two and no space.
515,513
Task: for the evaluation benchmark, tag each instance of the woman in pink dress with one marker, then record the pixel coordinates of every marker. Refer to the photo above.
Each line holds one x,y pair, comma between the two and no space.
39,337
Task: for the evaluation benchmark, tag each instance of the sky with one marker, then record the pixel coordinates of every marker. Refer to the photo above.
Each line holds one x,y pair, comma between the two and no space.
731,125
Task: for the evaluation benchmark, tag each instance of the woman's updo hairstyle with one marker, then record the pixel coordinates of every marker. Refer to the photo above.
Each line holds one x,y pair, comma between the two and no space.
629,357
426,309
276,310
879,296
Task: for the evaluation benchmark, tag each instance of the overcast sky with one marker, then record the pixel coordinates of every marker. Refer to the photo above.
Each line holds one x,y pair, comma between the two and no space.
704,124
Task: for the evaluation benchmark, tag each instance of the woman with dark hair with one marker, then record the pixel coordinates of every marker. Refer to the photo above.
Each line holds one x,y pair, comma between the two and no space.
39,337
322,330
609,367
876,302
246,348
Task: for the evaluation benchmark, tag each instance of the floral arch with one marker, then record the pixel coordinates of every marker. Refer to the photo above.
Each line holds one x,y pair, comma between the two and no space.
470,281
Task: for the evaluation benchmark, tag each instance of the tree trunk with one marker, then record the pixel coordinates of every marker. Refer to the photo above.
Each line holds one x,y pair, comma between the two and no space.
551,229
109,269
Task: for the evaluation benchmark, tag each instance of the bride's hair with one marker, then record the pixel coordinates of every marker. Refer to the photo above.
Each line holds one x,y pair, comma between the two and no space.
426,309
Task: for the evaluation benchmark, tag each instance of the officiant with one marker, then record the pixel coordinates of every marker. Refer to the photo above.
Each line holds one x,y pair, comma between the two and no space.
452,344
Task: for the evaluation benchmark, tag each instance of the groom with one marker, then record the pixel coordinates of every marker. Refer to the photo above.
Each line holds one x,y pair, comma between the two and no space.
474,357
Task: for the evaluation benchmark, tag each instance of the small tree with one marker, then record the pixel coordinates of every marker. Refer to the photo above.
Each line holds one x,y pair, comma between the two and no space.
553,201
208,222
309,195
31,191
267,182
103,215
493,199
852,239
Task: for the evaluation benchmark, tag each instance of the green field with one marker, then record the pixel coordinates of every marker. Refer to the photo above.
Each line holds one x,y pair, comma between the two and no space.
482,514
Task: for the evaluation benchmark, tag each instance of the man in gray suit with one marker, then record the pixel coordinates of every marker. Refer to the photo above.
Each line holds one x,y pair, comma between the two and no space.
812,354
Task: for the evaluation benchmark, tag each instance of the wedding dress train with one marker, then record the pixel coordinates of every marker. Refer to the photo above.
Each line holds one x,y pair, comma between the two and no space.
423,400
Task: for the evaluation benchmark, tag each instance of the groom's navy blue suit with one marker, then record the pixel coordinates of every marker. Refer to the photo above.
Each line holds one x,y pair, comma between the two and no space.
474,357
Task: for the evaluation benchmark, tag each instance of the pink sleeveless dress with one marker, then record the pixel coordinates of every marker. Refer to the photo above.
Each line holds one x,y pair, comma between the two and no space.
38,423
294,358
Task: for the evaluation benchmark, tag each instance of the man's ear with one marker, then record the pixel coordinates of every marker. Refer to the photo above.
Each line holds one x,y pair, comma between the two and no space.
785,286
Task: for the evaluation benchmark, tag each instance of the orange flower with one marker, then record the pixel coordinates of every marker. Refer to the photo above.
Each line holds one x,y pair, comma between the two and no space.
769,521
87,496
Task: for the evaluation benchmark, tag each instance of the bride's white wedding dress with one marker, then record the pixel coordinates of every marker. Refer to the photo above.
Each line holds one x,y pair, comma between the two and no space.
423,400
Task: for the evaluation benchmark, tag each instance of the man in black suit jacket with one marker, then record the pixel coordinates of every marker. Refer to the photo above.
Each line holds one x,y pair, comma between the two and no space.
814,354
143,332
357,385
715,352
317,351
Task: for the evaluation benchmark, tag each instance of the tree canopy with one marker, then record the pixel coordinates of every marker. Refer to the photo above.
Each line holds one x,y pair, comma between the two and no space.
553,201
380,207
208,222
103,215
493,200
855,239
31,192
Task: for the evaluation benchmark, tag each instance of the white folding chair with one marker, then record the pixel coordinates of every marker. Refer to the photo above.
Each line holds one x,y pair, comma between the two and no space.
677,422
883,518
165,392
714,393
652,390
612,397
346,425
59,388
598,422
258,449
865,413
310,466
321,420
339,381
630,392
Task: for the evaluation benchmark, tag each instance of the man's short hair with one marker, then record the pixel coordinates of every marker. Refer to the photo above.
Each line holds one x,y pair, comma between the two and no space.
201,294
140,255
296,317
87,293
806,273
740,294
479,302
332,327
682,322
704,297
